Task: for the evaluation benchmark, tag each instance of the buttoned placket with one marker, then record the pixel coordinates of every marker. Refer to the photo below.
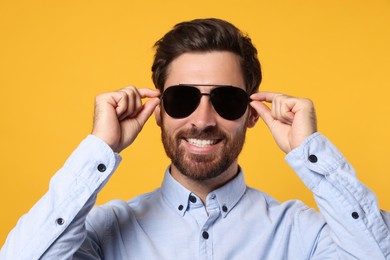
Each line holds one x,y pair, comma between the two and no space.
205,217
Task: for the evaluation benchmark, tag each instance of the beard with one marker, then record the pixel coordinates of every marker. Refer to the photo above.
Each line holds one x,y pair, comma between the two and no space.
202,167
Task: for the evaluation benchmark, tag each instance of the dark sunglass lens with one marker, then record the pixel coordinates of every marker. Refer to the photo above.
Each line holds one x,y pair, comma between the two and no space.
229,102
180,101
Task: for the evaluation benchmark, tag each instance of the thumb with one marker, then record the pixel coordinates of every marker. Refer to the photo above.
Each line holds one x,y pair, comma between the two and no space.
263,111
147,110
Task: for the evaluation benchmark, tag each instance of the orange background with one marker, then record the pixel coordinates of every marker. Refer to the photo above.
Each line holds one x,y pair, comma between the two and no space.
55,56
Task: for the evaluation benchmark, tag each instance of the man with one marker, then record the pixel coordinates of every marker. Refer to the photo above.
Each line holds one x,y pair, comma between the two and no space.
207,75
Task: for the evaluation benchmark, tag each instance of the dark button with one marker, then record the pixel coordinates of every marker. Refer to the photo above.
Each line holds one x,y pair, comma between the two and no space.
313,158
60,221
180,207
205,235
101,168
192,199
355,215
224,208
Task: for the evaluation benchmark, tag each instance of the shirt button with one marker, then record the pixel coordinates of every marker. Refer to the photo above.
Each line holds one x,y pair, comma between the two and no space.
192,199
355,215
180,207
205,235
313,158
224,208
101,168
60,221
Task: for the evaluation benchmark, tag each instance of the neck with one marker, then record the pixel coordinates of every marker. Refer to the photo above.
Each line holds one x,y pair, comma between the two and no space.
203,187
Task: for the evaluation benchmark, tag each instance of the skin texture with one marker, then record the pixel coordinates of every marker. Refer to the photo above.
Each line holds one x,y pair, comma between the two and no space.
120,116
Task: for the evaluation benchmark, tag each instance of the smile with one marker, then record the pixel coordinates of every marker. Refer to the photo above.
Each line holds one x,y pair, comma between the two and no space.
200,142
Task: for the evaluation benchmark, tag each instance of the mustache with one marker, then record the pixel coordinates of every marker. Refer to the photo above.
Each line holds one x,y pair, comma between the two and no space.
210,132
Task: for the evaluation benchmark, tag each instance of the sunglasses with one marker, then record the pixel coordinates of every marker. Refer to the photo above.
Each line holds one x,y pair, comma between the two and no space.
229,102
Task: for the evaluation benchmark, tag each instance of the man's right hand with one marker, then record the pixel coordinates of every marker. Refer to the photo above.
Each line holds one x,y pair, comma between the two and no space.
120,115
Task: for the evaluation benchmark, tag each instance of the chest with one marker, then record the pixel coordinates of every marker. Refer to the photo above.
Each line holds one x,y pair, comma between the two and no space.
203,234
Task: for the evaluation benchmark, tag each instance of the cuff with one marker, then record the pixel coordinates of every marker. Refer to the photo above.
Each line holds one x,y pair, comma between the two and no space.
315,159
92,163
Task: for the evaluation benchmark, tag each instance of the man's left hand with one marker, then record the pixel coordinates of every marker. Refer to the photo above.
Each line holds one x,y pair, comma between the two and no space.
289,119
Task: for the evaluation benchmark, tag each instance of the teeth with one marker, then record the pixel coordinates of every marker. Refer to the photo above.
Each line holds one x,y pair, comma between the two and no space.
201,143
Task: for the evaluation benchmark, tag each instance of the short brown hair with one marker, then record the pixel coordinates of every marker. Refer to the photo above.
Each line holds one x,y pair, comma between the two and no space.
202,35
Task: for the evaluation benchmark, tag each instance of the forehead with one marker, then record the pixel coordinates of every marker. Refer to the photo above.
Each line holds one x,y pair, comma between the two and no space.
205,68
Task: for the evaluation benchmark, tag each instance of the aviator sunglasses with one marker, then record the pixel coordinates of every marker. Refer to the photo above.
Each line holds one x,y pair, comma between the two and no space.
229,102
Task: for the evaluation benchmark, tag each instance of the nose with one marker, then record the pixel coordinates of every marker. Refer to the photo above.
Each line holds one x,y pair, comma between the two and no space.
204,116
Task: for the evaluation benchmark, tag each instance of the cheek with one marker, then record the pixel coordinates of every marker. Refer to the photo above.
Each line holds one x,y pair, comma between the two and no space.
235,126
170,125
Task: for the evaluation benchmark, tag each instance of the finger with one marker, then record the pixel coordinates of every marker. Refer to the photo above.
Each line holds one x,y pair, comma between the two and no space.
143,93
269,97
117,100
275,107
283,105
265,96
136,103
280,106
134,100
286,110
147,110
148,93
131,97
264,112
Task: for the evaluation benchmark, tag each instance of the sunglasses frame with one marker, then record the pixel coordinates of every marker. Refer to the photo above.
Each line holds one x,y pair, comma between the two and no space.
217,86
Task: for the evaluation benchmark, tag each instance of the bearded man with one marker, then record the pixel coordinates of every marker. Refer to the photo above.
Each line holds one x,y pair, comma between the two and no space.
207,76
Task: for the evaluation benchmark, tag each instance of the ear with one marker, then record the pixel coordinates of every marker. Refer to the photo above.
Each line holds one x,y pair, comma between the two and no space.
252,118
157,115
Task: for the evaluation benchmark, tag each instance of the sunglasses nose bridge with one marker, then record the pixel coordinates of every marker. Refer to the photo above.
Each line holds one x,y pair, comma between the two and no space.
204,114
200,98
209,100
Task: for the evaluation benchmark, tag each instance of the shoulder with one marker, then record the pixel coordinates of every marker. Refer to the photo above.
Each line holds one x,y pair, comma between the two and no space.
294,210
118,210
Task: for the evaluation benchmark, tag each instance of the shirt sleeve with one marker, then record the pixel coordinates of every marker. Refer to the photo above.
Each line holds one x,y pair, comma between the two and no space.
55,226
357,226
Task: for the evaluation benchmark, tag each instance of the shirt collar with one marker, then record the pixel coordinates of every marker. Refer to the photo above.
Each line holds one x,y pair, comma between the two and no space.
227,196
176,195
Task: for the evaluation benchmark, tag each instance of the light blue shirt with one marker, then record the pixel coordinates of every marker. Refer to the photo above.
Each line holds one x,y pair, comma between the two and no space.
236,222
